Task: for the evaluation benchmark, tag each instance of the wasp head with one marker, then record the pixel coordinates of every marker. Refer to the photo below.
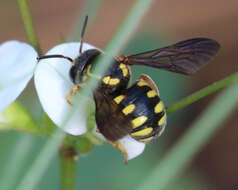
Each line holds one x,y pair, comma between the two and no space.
81,67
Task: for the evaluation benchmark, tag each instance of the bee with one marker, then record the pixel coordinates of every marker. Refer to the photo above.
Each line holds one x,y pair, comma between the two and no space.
135,110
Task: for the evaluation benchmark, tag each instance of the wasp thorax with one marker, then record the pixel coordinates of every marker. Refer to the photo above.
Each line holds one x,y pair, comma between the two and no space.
81,67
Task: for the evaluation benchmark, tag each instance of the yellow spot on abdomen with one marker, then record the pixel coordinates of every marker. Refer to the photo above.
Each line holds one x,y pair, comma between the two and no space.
143,132
151,94
118,99
106,79
162,121
128,109
142,83
146,139
159,107
114,81
139,121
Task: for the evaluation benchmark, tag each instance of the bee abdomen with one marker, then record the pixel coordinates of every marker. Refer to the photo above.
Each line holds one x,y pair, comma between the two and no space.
150,130
141,103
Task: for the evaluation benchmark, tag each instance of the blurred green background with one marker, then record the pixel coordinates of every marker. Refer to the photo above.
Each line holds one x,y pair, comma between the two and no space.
215,167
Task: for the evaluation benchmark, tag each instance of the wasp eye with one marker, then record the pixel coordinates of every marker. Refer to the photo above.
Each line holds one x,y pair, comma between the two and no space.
74,75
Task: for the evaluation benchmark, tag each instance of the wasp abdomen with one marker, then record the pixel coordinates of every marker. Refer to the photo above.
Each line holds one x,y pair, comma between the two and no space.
142,105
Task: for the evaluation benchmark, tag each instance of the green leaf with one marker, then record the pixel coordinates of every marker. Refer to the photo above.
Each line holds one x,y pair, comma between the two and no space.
47,126
18,118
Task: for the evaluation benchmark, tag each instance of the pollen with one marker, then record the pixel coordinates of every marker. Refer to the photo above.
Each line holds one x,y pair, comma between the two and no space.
128,109
143,132
159,107
106,79
162,121
118,99
114,81
139,121
151,94
142,83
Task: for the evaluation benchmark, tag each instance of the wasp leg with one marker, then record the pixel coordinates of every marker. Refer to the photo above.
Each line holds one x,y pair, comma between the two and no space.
118,145
71,93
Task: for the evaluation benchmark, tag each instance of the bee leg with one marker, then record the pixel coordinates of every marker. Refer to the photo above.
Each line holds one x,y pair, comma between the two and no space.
71,93
118,145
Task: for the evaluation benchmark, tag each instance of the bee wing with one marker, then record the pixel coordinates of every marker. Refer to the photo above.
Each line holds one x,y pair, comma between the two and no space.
111,122
184,57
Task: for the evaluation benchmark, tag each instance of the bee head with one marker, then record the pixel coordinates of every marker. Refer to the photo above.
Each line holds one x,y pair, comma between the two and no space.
82,65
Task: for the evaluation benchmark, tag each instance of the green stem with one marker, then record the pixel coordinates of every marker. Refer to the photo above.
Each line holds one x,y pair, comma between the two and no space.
202,93
27,21
68,167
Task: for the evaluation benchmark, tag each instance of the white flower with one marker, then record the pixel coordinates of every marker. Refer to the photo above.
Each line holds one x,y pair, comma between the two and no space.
53,83
18,64
133,148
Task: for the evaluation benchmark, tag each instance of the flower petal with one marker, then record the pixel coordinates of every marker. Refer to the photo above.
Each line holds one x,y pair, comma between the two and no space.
53,83
17,64
133,148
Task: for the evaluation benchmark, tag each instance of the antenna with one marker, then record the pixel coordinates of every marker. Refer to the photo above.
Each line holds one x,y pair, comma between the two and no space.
80,48
55,56
82,34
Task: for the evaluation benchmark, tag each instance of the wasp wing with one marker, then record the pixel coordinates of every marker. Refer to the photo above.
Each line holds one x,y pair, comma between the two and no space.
184,57
111,122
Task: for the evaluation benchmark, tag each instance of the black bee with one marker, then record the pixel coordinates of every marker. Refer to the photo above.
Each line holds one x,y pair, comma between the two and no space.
136,110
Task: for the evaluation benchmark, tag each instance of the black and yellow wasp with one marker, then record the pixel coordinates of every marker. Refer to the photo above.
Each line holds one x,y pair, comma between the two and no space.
136,110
